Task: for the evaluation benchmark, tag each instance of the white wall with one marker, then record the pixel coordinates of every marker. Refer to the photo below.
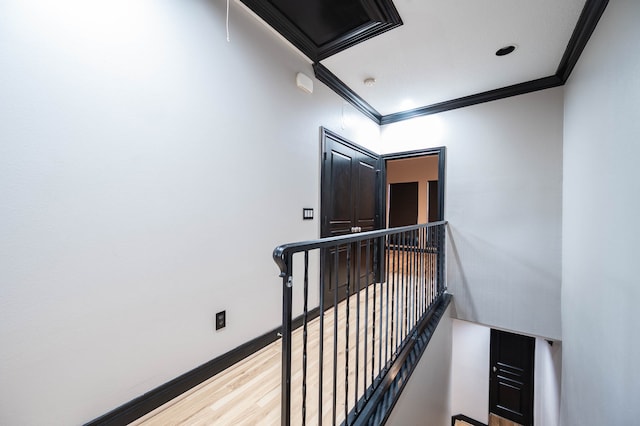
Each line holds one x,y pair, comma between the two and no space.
470,370
503,189
601,231
147,170
547,383
426,399
471,345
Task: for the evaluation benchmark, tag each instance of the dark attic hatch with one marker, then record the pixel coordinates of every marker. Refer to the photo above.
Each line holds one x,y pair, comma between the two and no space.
321,28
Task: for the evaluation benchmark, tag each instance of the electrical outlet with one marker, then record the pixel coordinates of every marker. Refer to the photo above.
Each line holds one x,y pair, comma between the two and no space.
221,320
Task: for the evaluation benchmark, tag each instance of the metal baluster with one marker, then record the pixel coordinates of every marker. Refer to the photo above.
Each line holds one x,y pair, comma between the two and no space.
346,337
412,277
366,317
386,337
423,270
394,297
403,299
373,324
305,318
287,283
376,261
432,265
442,237
336,287
436,270
437,263
443,248
409,279
416,277
323,282
410,256
427,257
420,274
357,367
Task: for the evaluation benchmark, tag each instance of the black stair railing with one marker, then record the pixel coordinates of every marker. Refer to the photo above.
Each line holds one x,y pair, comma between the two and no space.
384,285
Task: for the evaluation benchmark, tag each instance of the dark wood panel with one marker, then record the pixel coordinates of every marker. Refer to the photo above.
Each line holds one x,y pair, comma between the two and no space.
366,191
434,206
324,21
403,204
321,28
340,208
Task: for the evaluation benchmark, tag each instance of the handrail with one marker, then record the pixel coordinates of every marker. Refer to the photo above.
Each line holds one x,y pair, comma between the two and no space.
393,277
281,252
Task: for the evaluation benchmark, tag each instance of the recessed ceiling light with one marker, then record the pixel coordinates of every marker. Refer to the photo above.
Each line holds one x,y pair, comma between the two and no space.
369,82
506,50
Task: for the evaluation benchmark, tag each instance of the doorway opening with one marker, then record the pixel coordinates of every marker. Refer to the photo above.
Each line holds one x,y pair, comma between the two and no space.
414,187
403,204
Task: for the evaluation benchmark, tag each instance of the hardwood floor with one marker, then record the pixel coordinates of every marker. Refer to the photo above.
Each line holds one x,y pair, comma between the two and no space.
248,393
495,420
238,395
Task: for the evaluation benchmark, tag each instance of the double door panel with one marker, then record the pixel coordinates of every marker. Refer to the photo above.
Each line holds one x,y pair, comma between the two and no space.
350,204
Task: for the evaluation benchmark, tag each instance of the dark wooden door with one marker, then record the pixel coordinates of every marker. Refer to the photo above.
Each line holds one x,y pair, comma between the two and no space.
350,203
434,210
403,204
511,376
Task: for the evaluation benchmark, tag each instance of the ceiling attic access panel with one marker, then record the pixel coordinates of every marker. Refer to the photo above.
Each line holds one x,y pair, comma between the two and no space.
321,28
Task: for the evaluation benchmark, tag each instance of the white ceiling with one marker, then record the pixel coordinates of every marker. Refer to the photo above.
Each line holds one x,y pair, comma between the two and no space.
446,50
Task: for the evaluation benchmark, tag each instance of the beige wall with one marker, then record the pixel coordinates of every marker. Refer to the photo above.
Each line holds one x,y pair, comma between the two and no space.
421,170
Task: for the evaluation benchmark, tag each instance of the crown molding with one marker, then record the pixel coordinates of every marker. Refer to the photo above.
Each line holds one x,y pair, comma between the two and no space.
587,22
335,84
491,95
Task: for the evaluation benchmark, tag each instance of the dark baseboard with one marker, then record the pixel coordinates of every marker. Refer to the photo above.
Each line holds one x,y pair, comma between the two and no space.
159,396
465,419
